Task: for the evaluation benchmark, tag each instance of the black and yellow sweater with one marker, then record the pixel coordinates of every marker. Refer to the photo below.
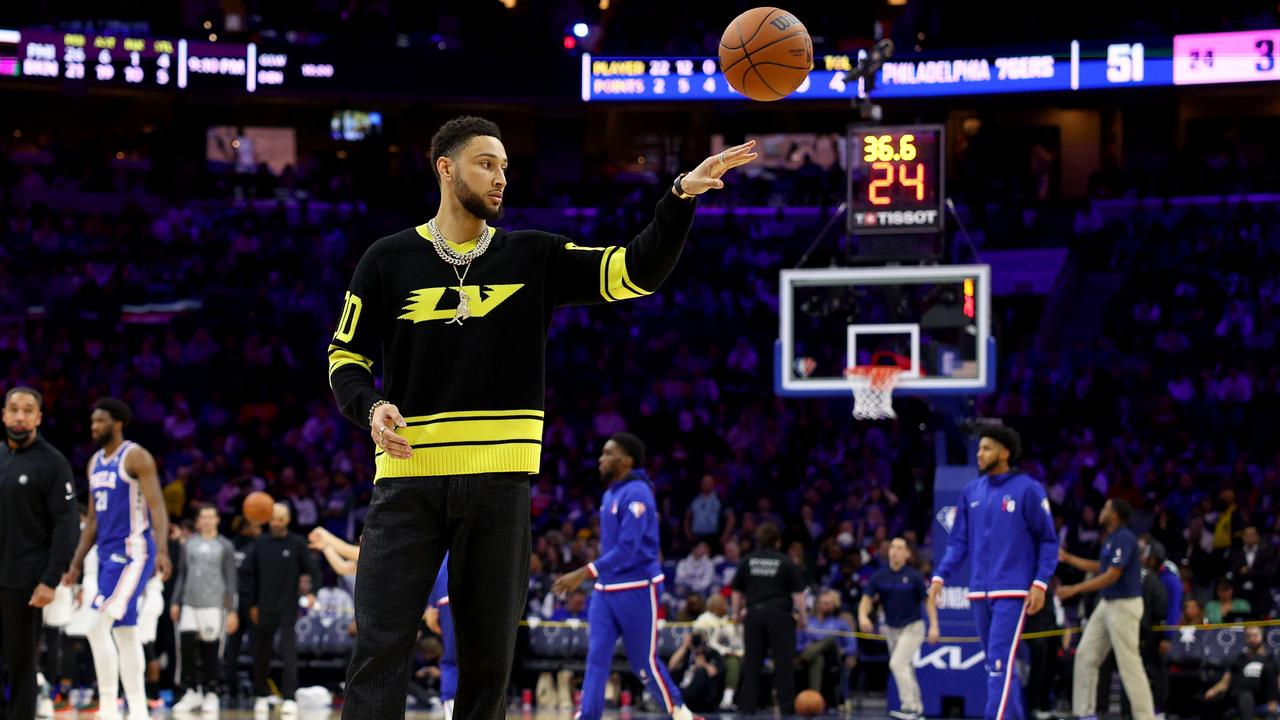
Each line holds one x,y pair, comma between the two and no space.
472,394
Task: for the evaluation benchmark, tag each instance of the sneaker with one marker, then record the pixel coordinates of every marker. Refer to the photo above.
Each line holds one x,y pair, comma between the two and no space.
289,709
44,708
63,704
262,706
212,704
191,700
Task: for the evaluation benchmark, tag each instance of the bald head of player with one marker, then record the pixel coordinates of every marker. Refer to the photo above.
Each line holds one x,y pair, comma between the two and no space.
280,517
22,415
622,453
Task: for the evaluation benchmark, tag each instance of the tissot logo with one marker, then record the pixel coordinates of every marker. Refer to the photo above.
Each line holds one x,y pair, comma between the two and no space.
428,304
950,657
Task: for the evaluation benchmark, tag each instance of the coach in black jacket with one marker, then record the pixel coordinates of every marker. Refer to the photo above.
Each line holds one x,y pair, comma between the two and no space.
39,529
275,563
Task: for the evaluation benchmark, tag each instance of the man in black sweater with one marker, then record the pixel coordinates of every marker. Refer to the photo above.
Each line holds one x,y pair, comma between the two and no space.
1250,681
39,528
458,312
275,564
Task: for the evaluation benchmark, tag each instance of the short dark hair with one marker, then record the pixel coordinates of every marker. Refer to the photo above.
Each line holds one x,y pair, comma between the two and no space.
1121,508
768,536
455,134
1155,550
1006,436
631,445
117,409
25,390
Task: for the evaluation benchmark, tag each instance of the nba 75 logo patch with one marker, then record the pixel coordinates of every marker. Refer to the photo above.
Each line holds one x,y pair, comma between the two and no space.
1007,504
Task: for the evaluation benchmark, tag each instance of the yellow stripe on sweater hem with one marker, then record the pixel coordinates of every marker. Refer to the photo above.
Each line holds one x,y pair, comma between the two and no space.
462,460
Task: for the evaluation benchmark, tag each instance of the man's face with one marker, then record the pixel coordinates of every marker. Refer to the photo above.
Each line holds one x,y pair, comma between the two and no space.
577,601
21,416
102,427
1250,536
614,463
827,604
280,519
207,520
898,553
700,550
1105,517
990,454
478,176
1253,636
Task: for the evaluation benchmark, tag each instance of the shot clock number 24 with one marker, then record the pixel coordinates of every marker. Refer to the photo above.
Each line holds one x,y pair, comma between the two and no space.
895,179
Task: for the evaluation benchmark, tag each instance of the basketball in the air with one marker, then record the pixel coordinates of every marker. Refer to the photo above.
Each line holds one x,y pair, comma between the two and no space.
809,703
258,506
766,53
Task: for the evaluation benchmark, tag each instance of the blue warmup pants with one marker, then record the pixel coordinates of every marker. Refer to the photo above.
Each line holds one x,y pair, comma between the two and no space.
633,614
449,660
1000,628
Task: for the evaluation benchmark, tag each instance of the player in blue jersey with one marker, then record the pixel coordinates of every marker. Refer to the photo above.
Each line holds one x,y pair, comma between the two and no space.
1004,527
440,619
123,487
628,582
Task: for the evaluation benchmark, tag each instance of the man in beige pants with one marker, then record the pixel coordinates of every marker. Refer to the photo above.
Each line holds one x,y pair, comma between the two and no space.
1114,622
900,590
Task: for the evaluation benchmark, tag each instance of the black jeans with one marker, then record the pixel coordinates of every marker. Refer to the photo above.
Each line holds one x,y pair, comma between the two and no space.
19,641
269,623
768,629
483,521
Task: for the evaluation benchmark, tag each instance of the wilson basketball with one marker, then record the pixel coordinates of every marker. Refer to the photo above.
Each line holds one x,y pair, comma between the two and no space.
766,53
258,506
810,703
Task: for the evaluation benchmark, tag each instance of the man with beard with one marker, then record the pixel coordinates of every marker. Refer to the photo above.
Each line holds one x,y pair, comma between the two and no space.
122,486
459,313
1004,527
1248,683
38,529
628,582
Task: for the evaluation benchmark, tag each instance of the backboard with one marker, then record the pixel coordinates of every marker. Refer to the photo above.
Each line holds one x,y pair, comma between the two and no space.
932,321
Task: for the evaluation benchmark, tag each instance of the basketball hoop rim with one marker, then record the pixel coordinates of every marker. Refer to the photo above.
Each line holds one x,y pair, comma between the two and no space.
879,377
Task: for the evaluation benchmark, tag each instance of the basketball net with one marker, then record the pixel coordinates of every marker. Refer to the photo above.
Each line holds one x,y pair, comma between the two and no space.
872,387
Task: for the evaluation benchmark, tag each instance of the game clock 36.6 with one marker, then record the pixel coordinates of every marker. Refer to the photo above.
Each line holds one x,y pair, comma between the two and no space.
895,179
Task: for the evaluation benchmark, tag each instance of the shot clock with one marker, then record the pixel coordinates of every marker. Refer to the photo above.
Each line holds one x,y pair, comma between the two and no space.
895,179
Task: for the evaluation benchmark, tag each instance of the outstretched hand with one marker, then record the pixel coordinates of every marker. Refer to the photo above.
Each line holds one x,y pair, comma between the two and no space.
708,174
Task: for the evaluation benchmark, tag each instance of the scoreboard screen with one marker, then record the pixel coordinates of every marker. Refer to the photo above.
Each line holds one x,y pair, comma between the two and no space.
895,179
160,63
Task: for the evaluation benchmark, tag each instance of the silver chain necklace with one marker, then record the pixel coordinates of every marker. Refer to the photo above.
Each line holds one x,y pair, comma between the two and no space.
456,259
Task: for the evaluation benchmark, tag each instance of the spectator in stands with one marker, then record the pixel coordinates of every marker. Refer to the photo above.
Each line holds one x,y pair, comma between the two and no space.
1254,565
1226,606
696,573
574,608
702,521
725,637
727,565
1192,612
699,671
827,642
1250,682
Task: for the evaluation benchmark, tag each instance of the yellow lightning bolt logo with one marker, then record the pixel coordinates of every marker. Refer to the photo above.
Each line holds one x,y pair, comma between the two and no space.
424,305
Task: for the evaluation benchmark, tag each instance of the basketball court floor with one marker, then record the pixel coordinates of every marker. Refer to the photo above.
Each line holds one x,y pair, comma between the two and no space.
873,710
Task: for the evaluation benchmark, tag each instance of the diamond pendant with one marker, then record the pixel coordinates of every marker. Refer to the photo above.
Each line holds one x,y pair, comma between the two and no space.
464,307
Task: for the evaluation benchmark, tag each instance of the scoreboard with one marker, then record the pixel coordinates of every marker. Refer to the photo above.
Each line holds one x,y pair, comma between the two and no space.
895,179
115,59
1070,66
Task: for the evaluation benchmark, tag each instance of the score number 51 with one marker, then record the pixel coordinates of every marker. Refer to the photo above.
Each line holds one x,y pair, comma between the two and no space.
883,154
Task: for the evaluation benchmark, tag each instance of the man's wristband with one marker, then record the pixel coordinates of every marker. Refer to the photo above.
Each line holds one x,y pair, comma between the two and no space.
374,407
677,187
